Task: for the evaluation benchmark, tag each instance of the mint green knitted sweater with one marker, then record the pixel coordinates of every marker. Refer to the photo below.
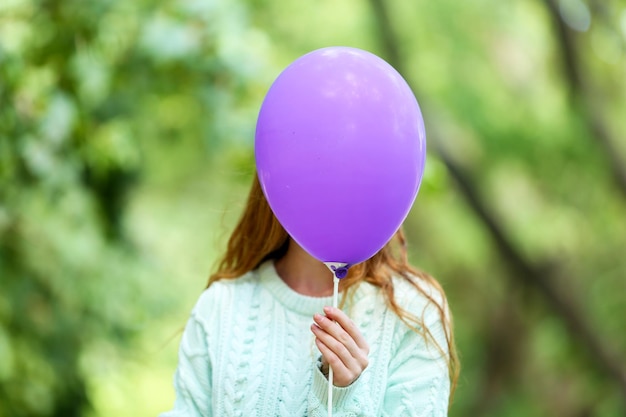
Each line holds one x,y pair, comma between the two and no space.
248,350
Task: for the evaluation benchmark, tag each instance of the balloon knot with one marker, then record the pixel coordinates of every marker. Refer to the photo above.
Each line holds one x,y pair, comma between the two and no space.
340,272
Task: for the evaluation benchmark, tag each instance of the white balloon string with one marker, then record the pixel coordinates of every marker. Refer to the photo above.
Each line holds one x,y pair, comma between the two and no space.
330,368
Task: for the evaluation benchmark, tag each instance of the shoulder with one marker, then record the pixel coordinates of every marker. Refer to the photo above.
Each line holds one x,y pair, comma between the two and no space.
420,296
416,306
223,293
416,299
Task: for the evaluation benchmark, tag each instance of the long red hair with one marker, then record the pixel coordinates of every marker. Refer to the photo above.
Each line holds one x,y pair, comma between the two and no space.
259,236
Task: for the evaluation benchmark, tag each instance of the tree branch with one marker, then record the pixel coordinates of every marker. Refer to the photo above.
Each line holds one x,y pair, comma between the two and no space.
581,97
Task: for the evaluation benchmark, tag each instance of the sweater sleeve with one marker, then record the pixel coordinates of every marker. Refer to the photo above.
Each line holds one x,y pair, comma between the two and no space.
347,401
418,383
192,380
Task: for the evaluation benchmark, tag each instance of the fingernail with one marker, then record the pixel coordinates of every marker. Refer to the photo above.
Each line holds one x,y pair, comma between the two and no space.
318,317
328,309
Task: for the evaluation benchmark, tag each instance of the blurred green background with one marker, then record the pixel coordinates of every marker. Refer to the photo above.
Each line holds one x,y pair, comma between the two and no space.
126,149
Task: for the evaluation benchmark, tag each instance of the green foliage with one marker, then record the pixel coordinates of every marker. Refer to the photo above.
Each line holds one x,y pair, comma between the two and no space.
93,93
126,133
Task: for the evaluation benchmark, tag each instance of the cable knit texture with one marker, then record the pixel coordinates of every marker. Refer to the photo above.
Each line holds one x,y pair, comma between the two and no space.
247,350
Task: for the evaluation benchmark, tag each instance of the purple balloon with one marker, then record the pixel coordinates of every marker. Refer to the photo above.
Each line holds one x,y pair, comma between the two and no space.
340,150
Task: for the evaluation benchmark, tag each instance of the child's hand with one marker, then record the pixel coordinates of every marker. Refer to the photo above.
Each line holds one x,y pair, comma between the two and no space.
341,344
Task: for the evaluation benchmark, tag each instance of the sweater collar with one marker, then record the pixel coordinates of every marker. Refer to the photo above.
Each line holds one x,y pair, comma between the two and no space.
294,301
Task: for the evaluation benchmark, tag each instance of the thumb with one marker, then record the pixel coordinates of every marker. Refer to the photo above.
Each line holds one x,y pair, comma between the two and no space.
324,367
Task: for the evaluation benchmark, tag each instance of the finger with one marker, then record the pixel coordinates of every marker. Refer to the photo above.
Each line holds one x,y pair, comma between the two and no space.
337,332
337,348
339,368
348,325
342,376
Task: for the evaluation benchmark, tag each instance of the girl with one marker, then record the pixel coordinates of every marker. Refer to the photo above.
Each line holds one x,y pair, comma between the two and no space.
261,337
